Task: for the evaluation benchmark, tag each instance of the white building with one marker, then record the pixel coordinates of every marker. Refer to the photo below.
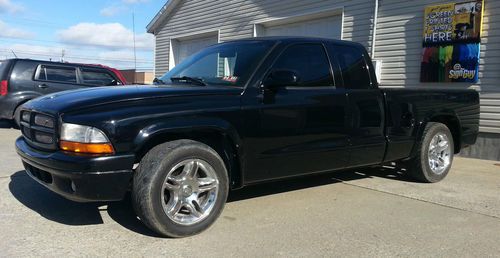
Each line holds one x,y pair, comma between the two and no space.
184,27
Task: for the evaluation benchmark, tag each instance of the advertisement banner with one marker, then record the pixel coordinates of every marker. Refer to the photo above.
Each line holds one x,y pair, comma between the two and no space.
451,42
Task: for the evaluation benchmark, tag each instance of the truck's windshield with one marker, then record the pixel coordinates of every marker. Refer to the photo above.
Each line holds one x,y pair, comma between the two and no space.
229,64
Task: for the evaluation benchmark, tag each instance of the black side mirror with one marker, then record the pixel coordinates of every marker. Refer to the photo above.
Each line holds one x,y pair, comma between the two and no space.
281,78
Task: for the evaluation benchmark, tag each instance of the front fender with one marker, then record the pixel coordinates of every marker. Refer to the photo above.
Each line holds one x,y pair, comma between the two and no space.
187,125
195,127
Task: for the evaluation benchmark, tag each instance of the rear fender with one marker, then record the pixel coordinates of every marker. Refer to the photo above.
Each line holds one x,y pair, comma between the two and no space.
434,118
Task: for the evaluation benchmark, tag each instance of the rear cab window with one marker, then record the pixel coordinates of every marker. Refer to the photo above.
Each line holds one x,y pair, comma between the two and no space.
60,74
309,61
352,66
97,77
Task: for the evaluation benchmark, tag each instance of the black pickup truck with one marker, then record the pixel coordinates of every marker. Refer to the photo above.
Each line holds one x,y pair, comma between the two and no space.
234,114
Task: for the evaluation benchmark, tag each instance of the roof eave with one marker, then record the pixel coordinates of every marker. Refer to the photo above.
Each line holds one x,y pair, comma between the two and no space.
161,15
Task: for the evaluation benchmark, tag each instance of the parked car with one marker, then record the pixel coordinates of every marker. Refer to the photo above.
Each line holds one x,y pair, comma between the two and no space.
235,114
25,79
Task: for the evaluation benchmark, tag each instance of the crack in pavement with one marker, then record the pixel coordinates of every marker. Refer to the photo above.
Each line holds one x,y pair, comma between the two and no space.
417,199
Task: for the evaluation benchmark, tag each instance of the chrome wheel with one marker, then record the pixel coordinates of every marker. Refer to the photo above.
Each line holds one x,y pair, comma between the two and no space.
439,155
189,191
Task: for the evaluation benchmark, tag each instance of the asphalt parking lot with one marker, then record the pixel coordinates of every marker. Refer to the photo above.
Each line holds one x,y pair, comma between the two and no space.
374,212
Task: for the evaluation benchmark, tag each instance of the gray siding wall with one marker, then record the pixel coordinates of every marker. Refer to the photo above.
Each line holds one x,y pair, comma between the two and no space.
235,19
399,46
398,43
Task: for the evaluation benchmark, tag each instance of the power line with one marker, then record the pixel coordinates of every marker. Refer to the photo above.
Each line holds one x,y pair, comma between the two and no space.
76,44
58,47
90,48
70,56
47,54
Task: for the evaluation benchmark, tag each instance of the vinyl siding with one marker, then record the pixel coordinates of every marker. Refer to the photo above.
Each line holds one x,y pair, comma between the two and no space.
399,46
398,43
235,19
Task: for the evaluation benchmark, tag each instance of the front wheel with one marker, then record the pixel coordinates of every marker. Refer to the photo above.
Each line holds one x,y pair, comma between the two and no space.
434,154
180,188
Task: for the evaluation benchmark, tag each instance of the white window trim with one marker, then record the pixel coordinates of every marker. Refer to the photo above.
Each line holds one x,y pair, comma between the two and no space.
259,25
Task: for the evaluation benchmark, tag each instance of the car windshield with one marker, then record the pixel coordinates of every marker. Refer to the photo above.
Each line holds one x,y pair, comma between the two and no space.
226,64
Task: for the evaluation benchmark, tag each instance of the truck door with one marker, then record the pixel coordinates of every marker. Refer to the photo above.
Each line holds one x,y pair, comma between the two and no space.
301,128
366,106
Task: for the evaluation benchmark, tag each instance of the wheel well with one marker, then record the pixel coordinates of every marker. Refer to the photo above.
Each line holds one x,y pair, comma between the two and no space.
453,125
18,106
219,141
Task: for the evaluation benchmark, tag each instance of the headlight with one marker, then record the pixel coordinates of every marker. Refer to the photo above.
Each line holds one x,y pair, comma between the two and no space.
82,133
84,139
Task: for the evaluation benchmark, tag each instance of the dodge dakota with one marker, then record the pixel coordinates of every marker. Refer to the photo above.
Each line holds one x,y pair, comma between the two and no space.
235,114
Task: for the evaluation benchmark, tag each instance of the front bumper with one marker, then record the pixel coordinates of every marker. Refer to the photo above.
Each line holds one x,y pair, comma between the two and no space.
81,178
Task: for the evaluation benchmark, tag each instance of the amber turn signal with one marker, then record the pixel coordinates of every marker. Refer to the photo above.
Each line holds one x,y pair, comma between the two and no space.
92,148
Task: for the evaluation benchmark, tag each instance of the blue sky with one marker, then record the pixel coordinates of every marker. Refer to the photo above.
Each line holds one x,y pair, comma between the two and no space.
90,31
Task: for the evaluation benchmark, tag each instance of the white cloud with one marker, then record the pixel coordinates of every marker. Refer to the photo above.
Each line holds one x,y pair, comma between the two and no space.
6,30
113,10
110,35
10,7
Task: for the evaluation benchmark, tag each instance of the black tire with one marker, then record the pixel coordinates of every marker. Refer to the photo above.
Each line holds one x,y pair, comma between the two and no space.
418,167
151,175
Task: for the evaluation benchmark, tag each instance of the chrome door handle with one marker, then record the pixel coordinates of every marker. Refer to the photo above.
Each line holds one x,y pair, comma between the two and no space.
43,86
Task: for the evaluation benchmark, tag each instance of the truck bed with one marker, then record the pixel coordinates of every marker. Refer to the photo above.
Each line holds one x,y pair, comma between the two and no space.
410,109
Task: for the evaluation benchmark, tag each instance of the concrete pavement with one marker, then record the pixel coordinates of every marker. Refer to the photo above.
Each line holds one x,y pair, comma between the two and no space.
374,212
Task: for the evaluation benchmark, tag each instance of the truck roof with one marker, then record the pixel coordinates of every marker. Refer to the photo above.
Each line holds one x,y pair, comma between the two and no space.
291,39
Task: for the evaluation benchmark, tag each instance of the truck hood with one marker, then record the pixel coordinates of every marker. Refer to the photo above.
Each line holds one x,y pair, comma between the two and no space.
67,101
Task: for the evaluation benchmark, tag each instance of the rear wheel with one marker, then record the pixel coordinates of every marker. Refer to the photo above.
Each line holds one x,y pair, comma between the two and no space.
180,188
434,154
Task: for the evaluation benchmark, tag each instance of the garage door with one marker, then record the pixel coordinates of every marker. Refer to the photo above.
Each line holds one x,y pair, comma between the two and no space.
328,27
185,48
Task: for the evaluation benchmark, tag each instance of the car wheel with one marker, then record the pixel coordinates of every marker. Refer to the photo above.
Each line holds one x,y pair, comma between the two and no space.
180,188
434,154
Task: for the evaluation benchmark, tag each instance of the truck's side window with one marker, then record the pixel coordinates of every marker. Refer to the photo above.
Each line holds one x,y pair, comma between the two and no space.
57,74
310,63
97,77
353,67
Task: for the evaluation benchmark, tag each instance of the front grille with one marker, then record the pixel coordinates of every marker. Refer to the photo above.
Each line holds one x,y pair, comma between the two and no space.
39,129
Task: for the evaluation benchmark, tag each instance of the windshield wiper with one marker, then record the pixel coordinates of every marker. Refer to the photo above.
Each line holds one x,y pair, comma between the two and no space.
197,81
158,81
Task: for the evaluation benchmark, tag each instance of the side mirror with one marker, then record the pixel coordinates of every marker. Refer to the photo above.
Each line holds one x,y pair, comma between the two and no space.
281,78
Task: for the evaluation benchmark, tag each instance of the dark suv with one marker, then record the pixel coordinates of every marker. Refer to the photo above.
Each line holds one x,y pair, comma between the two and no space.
24,79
